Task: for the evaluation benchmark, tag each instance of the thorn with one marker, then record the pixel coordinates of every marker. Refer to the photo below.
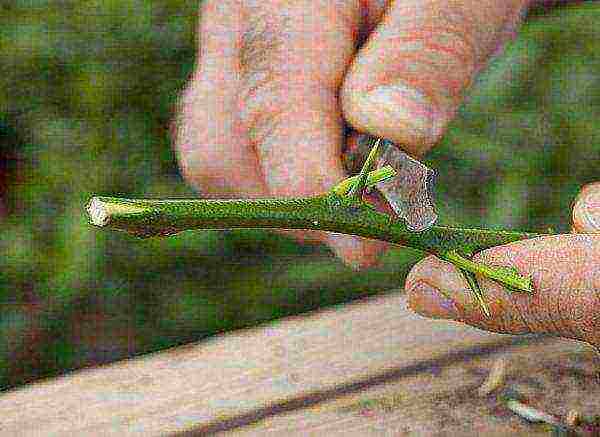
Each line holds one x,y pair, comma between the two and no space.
359,186
476,291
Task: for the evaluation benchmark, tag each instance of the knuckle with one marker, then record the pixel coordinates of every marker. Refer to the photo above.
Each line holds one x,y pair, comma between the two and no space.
260,104
268,107
260,99
263,124
262,43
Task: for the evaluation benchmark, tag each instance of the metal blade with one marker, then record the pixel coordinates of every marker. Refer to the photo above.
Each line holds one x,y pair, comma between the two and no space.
410,192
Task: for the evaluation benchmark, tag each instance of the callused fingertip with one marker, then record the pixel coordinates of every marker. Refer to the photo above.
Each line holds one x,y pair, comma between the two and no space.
428,301
398,112
586,211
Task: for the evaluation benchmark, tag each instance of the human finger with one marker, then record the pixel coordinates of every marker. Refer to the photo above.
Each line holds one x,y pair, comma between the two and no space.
565,270
211,143
586,210
408,80
294,56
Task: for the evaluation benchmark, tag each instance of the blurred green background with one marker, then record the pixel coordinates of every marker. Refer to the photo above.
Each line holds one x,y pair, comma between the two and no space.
87,92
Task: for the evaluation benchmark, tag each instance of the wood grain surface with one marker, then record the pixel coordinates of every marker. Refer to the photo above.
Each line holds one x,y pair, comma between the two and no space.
367,368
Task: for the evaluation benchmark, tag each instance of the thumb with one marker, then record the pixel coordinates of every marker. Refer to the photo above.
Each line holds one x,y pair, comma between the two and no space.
565,270
409,78
586,210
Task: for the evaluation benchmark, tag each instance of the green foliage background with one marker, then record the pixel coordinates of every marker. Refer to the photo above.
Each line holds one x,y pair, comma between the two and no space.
87,92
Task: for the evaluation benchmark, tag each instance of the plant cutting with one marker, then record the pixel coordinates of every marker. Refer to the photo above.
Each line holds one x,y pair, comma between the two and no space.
343,209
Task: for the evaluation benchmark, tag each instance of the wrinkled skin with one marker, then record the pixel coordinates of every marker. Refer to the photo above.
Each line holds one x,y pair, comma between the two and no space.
264,116
566,274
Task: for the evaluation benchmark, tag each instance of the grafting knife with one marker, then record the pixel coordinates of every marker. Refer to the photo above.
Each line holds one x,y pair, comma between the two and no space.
410,192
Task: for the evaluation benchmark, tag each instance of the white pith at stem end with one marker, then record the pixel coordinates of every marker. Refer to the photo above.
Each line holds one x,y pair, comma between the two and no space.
97,212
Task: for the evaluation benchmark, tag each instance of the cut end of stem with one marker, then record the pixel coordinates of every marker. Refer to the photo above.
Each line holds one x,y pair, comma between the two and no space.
97,212
102,211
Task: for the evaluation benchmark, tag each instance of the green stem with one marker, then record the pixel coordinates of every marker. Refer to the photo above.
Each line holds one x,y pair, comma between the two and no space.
509,276
341,210
328,212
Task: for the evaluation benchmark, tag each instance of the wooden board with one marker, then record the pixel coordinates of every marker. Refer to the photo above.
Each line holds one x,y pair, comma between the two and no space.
368,368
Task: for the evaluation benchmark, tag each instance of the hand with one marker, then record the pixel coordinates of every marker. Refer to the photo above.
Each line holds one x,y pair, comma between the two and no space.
566,274
262,114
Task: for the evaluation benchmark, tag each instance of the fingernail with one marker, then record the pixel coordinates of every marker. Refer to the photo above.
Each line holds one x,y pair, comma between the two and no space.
431,302
586,212
400,107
